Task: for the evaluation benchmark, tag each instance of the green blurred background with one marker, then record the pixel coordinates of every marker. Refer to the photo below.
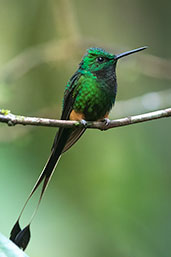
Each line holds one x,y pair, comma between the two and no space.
111,194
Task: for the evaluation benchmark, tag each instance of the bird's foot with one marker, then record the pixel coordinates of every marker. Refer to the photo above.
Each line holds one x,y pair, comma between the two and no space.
83,122
106,122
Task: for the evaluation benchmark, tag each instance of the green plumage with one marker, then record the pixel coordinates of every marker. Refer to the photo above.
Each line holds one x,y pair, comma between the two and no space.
91,91
94,90
91,99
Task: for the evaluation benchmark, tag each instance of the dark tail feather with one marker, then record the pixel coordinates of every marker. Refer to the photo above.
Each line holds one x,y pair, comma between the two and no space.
21,237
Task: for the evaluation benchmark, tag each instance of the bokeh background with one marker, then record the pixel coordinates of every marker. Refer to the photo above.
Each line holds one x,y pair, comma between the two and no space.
111,193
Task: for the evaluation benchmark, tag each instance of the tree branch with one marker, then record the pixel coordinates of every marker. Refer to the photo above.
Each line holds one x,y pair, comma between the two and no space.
11,120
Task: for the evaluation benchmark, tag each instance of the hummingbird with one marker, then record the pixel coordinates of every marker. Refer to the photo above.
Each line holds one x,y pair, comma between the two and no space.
89,96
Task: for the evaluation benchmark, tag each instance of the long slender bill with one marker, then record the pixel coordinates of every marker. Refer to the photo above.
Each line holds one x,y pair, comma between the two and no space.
130,52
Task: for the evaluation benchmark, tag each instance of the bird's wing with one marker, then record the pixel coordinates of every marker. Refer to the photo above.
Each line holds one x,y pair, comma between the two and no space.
69,99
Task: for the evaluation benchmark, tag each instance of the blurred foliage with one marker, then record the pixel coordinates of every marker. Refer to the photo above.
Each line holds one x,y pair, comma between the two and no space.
110,195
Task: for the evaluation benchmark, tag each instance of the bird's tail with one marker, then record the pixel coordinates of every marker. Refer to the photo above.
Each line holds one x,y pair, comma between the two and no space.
20,236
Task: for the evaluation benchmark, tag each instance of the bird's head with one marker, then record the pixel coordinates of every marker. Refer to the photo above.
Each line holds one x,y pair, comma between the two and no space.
97,59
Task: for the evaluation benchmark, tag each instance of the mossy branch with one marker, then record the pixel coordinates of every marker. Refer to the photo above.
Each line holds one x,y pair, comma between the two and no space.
12,120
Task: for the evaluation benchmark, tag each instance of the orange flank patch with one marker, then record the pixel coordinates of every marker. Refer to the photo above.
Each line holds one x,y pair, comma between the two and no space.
76,115
106,115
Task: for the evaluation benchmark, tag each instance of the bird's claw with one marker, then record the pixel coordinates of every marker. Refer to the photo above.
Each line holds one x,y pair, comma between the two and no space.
83,122
106,121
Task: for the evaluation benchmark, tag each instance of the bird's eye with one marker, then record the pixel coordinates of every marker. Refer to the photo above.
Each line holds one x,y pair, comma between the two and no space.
100,59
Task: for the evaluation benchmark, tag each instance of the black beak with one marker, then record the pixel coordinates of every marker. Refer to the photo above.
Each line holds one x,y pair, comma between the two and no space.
129,52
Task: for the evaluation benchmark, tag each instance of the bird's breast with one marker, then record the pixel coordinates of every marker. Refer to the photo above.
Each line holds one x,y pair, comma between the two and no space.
94,98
